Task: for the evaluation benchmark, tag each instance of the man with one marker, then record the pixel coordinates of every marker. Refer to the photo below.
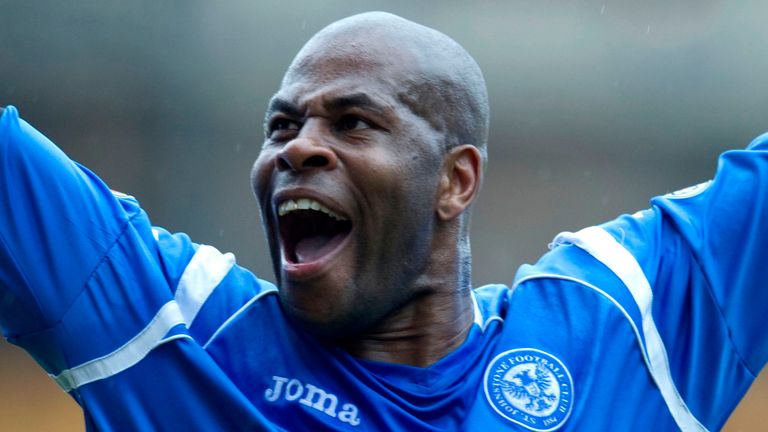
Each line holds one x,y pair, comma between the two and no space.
373,156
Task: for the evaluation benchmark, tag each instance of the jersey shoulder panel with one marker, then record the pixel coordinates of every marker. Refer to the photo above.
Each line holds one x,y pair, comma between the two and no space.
209,286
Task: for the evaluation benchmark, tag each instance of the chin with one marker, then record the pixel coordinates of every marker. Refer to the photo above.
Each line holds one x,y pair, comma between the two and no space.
320,317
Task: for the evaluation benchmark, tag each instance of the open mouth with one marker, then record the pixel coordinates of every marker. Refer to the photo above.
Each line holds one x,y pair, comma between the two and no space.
309,230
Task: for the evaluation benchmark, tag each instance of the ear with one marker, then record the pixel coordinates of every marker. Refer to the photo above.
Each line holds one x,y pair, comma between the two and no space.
460,181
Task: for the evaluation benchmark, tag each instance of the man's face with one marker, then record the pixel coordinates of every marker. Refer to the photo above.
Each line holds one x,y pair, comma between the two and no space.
347,183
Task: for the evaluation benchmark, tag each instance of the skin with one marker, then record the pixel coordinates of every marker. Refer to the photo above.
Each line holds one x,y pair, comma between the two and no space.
384,122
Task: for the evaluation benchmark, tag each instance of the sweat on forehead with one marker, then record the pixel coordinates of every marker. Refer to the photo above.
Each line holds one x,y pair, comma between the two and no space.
438,79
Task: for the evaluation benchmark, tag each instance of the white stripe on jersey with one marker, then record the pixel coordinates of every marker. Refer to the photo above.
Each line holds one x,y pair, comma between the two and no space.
203,274
127,355
602,246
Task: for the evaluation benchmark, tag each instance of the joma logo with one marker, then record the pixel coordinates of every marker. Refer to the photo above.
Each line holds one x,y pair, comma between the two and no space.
293,390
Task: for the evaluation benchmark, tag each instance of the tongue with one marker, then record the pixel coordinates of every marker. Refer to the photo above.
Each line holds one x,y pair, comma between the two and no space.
315,247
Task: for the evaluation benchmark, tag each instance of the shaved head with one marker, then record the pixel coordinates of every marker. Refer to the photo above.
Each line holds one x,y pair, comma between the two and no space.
440,82
378,131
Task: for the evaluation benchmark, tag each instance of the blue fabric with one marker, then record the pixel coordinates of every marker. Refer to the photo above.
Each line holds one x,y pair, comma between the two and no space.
703,251
81,275
559,350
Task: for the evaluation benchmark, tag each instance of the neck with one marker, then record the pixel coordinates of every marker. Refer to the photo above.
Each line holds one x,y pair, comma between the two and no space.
419,334
434,322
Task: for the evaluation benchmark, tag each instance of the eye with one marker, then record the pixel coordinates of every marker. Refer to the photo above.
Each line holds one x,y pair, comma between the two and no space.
352,122
281,125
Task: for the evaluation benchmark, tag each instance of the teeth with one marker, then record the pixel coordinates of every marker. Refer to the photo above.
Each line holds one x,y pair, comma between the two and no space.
306,204
303,204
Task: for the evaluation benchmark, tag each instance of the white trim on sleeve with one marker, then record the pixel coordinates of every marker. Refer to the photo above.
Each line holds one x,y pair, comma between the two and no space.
205,271
602,246
127,355
203,274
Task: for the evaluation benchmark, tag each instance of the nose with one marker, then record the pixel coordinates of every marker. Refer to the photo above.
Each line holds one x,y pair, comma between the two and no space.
306,152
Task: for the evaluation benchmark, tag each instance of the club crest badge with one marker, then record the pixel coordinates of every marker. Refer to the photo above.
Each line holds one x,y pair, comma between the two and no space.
529,387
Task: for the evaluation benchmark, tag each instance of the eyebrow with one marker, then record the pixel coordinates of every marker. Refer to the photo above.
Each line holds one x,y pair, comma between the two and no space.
282,105
360,100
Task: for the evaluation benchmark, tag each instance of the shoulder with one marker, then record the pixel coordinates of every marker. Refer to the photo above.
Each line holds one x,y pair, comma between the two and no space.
588,273
208,285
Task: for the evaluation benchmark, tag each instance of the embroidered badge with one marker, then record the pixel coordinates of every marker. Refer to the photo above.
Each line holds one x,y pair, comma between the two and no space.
529,387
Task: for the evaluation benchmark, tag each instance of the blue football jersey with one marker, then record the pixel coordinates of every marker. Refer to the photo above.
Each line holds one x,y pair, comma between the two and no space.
650,321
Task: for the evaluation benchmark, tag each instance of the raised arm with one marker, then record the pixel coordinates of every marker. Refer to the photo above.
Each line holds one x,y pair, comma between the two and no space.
57,223
703,251
105,303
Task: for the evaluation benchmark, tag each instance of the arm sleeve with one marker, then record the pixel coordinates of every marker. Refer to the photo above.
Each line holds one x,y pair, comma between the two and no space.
703,250
112,309
57,223
75,258
725,227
